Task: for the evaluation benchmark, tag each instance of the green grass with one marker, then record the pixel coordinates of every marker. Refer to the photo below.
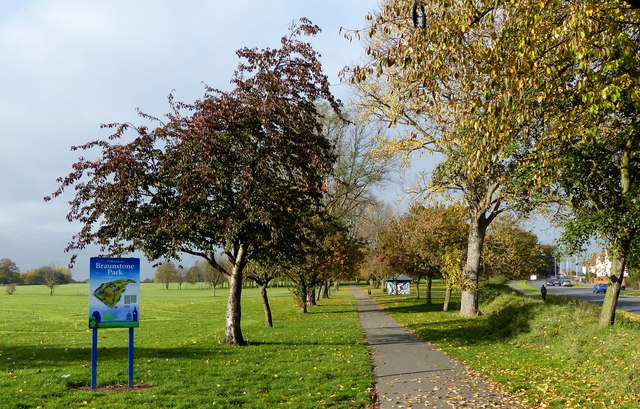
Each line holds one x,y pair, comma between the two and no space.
305,361
548,354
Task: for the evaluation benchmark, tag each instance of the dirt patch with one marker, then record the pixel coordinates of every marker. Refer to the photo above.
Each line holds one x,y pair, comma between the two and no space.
115,388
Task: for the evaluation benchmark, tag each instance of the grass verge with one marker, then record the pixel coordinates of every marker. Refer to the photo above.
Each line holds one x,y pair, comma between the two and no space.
305,361
549,354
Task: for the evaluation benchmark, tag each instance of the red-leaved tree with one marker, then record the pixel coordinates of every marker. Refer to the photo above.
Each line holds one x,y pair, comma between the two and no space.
236,171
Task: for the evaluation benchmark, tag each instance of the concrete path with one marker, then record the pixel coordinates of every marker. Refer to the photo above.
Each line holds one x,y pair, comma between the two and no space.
411,373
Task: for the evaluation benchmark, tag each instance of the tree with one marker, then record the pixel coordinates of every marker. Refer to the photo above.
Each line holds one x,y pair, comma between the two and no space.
401,251
512,251
315,257
241,173
375,218
9,272
418,243
182,275
551,77
202,271
166,273
49,276
262,275
350,198
591,135
603,196
343,257
547,266
436,82
357,170
195,276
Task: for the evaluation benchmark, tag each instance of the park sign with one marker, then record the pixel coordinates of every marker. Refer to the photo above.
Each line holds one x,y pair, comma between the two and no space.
114,292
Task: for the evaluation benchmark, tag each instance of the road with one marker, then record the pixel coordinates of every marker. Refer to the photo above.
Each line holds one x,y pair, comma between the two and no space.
625,303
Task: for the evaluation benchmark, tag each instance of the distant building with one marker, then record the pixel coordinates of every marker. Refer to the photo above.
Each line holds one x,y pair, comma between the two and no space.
599,266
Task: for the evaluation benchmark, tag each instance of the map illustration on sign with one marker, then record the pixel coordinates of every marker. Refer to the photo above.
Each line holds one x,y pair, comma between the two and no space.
114,289
111,292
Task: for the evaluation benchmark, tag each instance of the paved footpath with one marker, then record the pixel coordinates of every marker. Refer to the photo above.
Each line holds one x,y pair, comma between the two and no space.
412,373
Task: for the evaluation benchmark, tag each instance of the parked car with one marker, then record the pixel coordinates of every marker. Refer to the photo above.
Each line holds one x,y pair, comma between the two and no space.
566,283
600,288
553,281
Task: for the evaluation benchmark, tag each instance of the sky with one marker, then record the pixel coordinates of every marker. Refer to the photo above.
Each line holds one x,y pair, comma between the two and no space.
67,66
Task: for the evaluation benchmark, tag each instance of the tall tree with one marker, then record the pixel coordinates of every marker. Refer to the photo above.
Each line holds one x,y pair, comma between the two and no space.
262,275
207,274
435,82
512,251
182,276
580,63
9,272
49,276
418,242
239,170
166,273
359,167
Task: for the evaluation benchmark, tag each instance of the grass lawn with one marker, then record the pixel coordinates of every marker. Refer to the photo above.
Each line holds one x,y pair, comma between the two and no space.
305,361
549,354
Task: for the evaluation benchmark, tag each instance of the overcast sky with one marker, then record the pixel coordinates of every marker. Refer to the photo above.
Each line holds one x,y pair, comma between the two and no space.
66,66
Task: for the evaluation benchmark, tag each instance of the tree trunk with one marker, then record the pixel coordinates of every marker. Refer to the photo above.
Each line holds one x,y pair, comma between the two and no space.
303,297
311,296
608,310
268,321
620,253
418,287
233,332
336,286
50,290
469,297
429,285
324,290
447,298
214,291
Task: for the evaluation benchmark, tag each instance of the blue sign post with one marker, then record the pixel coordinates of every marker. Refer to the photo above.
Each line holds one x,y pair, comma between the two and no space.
114,293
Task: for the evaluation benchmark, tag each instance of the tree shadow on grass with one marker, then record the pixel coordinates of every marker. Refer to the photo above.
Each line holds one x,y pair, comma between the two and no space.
37,357
423,307
505,322
327,309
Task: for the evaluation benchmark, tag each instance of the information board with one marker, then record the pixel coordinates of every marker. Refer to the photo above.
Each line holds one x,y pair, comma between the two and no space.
114,292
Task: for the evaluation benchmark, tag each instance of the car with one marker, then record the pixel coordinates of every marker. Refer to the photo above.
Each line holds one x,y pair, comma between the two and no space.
565,283
553,281
600,288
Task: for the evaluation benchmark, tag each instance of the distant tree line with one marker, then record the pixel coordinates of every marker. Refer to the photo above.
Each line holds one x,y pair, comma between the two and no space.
46,275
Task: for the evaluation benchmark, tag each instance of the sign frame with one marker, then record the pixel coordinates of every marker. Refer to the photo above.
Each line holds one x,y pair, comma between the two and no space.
114,292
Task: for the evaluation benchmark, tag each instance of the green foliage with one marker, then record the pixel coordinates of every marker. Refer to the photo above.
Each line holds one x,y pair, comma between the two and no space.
510,250
47,275
10,289
311,361
633,279
425,240
9,271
